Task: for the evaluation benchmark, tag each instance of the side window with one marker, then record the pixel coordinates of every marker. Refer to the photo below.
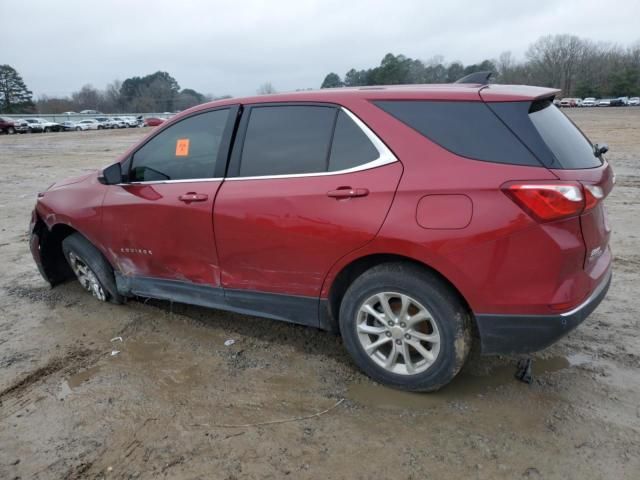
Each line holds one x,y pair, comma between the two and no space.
469,129
185,150
351,146
284,140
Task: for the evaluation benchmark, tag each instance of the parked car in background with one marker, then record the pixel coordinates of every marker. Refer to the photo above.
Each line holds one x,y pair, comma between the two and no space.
7,125
589,102
131,122
634,101
119,122
68,113
90,124
21,126
91,112
570,102
34,126
618,102
153,121
105,122
404,218
69,126
604,102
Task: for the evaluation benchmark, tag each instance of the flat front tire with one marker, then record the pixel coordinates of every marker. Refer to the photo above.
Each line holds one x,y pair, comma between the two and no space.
405,327
91,269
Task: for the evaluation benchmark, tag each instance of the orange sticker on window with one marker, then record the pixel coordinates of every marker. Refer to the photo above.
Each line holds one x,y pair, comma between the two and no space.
182,147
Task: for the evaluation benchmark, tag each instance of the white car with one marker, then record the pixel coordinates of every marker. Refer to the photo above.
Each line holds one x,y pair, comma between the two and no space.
130,121
91,112
634,101
44,125
89,124
605,102
589,102
119,122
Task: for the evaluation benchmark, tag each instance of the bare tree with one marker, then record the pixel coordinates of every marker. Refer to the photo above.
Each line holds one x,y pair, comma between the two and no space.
266,88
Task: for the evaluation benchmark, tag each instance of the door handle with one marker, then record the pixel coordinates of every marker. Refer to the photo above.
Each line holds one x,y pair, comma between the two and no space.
348,192
193,197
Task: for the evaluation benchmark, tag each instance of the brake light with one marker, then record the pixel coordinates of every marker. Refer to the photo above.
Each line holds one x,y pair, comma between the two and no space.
547,201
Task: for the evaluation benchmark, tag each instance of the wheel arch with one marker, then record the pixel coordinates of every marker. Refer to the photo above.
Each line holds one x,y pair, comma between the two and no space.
357,267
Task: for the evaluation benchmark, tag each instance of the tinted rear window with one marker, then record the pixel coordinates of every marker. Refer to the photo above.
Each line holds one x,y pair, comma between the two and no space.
351,147
569,146
469,129
287,140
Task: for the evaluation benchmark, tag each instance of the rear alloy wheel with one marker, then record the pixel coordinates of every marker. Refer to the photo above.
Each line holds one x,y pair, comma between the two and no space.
11,130
398,333
78,129
405,327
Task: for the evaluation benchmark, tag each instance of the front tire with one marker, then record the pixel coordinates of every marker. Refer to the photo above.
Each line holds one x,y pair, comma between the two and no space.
405,327
91,269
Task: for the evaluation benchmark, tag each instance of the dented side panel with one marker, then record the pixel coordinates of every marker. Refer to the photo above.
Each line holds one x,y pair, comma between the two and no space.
150,232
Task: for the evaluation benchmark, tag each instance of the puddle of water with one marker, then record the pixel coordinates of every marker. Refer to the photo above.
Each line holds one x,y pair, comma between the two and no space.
463,387
74,381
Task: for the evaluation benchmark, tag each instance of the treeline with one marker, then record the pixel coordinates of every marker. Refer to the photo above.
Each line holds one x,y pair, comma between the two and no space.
577,66
157,92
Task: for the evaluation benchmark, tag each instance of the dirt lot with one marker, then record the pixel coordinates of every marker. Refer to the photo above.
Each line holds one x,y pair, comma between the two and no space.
162,406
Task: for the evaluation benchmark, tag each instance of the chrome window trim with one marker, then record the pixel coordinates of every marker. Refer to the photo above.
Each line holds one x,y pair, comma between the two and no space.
182,180
385,157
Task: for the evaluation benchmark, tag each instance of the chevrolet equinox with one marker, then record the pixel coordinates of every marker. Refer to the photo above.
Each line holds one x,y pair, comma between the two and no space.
410,219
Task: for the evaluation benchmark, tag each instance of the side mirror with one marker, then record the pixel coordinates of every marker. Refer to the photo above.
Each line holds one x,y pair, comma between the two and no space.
112,175
600,149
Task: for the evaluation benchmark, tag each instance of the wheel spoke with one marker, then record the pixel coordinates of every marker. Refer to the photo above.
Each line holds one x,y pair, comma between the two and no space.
406,354
391,359
374,313
371,349
404,308
421,316
426,354
384,302
370,329
431,338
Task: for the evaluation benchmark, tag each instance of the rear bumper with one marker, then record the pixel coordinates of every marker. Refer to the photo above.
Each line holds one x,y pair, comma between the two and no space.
510,334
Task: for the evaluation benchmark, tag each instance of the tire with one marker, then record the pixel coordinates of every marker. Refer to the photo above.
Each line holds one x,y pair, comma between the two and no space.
99,280
78,129
47,130
445,328
11,131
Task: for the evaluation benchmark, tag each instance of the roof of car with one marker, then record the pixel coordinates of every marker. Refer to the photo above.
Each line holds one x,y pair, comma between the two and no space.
448,91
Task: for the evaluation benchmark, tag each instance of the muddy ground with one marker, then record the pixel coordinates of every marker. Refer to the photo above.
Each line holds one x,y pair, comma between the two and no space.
162,406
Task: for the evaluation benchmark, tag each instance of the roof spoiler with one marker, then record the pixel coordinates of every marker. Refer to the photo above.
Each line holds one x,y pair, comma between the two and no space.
478,77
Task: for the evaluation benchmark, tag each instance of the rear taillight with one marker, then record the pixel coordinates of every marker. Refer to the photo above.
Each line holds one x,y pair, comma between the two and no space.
592,195
549,201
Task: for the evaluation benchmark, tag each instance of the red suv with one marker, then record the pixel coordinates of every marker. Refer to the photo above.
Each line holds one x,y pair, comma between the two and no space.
405,218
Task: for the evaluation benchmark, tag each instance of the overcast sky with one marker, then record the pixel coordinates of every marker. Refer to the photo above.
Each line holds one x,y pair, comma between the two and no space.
233,47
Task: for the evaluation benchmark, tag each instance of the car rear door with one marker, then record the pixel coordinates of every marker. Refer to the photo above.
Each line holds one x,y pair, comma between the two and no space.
159,220
307,184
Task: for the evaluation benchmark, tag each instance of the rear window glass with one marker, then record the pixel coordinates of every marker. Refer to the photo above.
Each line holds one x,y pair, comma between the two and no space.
351,146
287,140
569,146
469,129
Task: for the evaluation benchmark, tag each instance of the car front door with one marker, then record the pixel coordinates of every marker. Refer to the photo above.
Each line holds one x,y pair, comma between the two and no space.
159,221
307,184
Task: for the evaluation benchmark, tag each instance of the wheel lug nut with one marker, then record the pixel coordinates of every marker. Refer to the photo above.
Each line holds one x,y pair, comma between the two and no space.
398,342
407,336
403,325
390,323
388,334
